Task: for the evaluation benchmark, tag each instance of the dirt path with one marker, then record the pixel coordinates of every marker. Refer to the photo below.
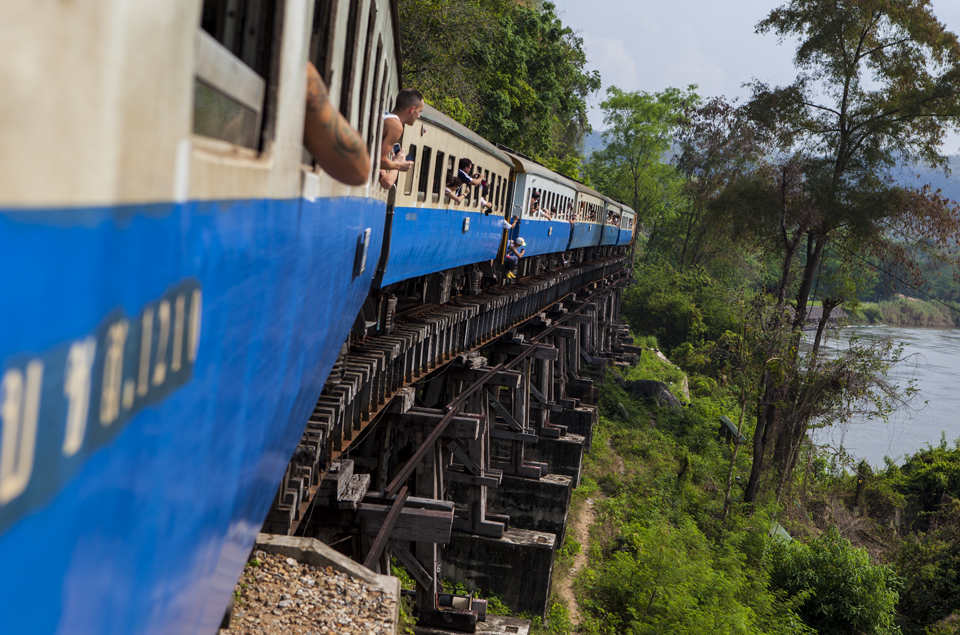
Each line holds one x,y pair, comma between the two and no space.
581,532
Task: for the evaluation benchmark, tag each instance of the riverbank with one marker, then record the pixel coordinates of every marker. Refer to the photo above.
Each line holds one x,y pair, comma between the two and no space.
905,311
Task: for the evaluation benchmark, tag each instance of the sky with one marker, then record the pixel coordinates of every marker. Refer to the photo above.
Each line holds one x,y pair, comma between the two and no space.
650,45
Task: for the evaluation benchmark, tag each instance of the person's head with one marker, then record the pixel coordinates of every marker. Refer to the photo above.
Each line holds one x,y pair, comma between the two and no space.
536,195
409,105
519,242
465,164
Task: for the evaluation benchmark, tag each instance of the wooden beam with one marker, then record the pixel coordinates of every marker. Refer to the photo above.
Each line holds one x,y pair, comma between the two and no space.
412,565
504,413
385,529
457,449
417,525
463,426
543,352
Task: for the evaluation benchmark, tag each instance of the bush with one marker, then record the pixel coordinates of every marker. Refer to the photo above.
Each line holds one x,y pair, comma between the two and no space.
671,579
846,593
677,307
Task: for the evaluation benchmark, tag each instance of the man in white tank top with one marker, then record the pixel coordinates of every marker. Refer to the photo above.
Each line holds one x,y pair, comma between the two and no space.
405,113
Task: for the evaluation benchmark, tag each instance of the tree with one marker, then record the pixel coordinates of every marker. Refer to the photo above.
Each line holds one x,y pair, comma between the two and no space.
720,151
640,127
509,70
879,83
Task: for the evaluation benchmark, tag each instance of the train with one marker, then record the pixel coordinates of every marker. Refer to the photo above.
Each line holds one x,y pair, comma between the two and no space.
182,277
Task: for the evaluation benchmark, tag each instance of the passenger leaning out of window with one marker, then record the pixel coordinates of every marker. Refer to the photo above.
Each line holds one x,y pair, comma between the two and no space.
485,205
535,204
406,111
454,188
336,147
466,174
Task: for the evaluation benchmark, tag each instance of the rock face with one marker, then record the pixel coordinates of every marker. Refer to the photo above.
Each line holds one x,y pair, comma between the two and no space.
656,390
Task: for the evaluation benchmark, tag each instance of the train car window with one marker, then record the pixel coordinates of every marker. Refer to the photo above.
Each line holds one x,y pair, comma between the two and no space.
439,179
349,60
235,56
322,40
473,196
496,193
424,174
408,183
377,123
376,106
366,89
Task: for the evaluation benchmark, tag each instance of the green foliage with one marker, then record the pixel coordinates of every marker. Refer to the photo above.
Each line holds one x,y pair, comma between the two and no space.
557,622
931,477
407,620
509,70
909,312
930,563
398,571
630,167
678,307
845,592
669,578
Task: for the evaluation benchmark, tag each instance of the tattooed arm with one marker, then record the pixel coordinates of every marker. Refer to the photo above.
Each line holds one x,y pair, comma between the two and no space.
335,145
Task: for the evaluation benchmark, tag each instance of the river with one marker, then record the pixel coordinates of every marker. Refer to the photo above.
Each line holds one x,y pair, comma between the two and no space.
935,364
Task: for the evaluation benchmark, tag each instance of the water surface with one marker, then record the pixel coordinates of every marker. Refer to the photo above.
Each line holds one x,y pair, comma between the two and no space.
935,364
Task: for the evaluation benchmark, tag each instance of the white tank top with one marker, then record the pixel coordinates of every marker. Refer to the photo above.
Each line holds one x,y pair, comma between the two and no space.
389,115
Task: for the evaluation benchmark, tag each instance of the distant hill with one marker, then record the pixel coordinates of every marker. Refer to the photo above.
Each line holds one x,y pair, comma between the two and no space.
949,185
592,142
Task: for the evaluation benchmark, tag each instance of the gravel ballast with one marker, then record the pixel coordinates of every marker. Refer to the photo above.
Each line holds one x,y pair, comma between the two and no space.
277,595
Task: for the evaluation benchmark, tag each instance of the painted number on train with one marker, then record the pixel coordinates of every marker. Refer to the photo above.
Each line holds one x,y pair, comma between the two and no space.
60,406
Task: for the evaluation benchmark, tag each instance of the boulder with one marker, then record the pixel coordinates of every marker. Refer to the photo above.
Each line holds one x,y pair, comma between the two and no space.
656,390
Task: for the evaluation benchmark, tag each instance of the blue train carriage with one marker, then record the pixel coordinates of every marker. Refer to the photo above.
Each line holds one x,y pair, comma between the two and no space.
610,233
547,232
590,206
439,247
627,222
180,279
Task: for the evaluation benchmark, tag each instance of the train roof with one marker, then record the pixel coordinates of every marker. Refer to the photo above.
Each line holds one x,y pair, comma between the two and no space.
612,203
528,165
435,117
589,190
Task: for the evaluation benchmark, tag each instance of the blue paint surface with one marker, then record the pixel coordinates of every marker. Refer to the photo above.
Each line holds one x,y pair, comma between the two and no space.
625,237
585,235
610,235
543,236
425,241
149,533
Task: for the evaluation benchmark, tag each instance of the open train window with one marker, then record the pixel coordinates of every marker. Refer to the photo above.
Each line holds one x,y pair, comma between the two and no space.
476,189
408,182
322,40
349,60
235,55
424,174
365,87
438,177
375,115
